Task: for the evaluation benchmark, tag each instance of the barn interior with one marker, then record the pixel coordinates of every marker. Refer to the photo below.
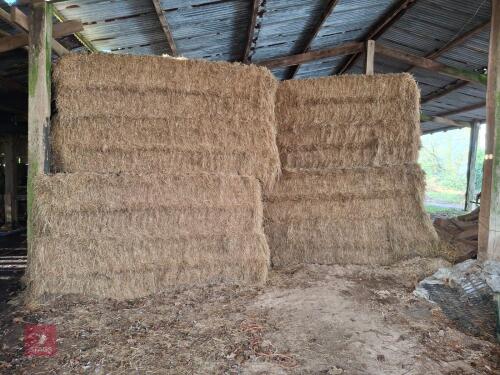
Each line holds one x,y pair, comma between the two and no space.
433,312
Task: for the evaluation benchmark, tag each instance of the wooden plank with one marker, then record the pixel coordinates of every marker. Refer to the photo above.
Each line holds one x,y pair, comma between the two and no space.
5,16
444,91
39,95
79,36
380,27
59,30
18,18
251,31
444,121
489,216
312,35
468,234
470,191
370,57
343,49
165,27
467,108
496,302
432,65
460,39
448,46
10,202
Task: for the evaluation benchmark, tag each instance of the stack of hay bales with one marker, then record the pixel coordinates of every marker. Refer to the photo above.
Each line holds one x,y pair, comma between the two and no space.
351,191
161,164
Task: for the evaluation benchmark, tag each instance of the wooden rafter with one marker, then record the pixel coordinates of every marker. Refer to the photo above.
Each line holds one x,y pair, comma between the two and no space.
456,85
251,30
354,47
444,121
467,108
455,42
19,20
9,43
343,49
83,40
328,10
432,65
165,27
460,39
387,21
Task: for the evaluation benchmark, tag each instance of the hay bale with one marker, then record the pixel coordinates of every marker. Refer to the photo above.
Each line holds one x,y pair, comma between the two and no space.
313,184
350,192
379,241
349,216
348,121
137,265
97,233
174,116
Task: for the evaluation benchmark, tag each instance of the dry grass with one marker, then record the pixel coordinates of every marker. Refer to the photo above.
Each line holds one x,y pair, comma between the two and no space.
348,121
349,216
107,71
351,192
350,241
174,116
124,236
295,184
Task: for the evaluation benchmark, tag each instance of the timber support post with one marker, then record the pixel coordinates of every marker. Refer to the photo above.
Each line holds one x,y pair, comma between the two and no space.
489,218
471,165
40,40
10,199
370,57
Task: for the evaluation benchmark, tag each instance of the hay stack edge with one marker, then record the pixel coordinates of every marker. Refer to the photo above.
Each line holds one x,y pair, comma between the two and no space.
161,165
351,191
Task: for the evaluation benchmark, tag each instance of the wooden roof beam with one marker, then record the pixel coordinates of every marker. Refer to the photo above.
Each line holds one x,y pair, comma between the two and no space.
431,65
444,121
301,58
328,10
20,20
448,46
460,39
251,31
467,108
165,27
387,21
9,43
458,84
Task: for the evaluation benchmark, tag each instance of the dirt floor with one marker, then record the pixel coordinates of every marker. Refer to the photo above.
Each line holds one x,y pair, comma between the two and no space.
307,320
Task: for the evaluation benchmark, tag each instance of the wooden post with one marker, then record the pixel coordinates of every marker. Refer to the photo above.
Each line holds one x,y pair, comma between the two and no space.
370,57
10,182
496,301
40,38
489,218
471,166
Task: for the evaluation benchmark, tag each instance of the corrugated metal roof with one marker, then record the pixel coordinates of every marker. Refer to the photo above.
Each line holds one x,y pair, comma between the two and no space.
218,29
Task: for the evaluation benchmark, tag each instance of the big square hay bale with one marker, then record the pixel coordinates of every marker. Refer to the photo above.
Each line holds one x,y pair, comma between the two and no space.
129,235
349,216
348,121
138,113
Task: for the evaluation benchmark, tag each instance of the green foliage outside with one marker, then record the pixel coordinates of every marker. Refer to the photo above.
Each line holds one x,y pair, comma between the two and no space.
444,158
